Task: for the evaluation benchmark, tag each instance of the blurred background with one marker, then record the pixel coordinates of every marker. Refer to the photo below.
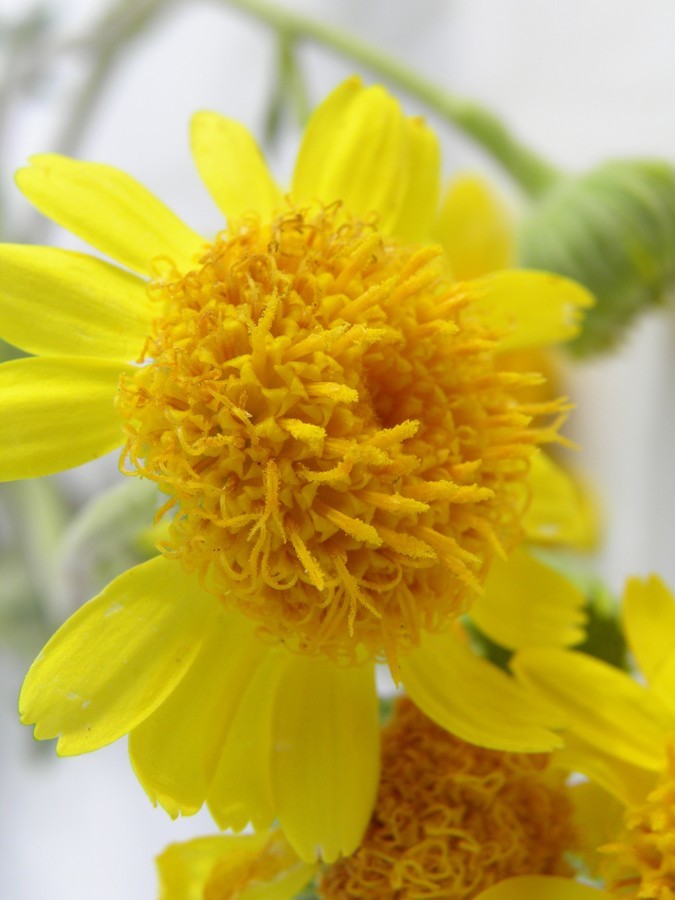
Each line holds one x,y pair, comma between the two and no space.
579,82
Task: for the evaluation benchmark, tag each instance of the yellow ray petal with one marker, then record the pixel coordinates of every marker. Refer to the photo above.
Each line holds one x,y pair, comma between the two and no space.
473,699
175,750
232,167
250,867
117,658
274,873
527,604
420,202
56,413
58,302
475,229
627,783
541,887
285,886
602,705
109,210
325,768
648,612
355,150
532,308
561,510
599,820
184,868
241,789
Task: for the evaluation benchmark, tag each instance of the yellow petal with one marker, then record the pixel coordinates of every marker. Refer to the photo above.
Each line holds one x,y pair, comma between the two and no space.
355,150
109,210
117,658
527,604
250,867
285,886
325,768
663,683
473,699
599,820
561,510
241,789
175,751
56,413
627,783
541,887
601,704
184,868
475,229
58,302
530,308
275,873
232,167
418,211
648,613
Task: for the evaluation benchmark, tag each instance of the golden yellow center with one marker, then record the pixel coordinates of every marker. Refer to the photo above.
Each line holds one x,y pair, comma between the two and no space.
342,451
451,819
642,863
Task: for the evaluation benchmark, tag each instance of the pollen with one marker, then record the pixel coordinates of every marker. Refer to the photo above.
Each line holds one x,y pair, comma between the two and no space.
451,819
341,450
642,863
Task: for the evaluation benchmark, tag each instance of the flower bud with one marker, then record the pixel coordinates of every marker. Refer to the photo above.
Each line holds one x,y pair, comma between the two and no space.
613,229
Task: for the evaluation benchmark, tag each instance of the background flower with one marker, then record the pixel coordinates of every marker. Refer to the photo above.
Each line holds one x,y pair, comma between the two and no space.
451,820
620,734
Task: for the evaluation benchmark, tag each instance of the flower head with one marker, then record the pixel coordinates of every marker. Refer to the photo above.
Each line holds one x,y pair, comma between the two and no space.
620,733
641,861
451,820
323,406
341,447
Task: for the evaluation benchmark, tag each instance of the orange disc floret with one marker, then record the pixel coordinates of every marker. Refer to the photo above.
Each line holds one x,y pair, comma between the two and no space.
326,411
642,863
451,819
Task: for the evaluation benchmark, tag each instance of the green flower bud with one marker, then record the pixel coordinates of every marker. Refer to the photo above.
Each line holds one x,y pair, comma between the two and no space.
613,229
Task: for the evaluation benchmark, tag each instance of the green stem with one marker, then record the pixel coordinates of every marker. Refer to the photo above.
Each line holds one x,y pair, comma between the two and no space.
533,174
124,21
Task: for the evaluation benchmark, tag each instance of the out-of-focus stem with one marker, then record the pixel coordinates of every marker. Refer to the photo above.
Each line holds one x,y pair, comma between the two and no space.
531,172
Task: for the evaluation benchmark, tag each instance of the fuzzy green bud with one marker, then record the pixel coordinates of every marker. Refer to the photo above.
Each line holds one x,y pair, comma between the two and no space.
612,229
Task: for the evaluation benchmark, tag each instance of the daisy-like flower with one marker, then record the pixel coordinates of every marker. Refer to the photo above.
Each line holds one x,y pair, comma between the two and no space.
620,732
451,820
341,450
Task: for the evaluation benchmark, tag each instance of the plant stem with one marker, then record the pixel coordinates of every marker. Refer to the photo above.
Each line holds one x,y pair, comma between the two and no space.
533,174
124,21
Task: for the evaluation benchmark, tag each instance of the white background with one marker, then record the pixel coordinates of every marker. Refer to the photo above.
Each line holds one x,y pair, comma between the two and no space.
580,81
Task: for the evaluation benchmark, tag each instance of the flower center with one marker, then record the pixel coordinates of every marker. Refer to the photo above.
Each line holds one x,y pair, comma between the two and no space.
642,862
324,407
451,818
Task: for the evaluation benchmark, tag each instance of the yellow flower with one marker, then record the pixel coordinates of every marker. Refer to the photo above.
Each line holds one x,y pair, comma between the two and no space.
620,733
343,453
451,820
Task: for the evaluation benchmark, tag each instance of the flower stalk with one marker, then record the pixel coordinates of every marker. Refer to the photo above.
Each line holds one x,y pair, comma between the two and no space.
532,173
